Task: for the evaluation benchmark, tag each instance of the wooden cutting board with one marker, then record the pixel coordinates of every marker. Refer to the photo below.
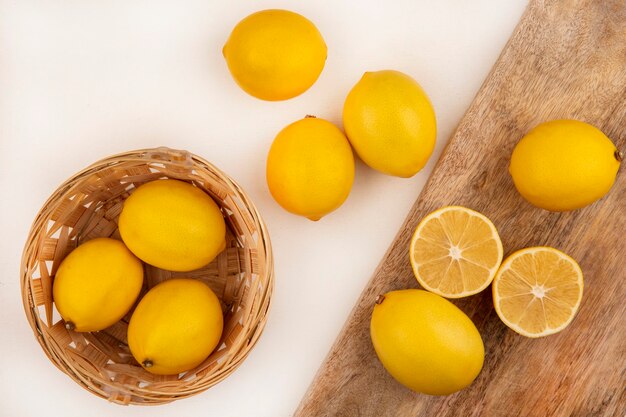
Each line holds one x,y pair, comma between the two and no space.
566,59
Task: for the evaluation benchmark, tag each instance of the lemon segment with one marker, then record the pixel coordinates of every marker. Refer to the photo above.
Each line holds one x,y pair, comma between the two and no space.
455,252
537,291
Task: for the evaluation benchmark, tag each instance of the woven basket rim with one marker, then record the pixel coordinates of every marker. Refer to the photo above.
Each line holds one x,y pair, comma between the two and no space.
37,232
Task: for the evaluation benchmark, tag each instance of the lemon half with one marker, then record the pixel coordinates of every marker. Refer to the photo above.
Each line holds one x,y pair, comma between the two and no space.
455,252
537,291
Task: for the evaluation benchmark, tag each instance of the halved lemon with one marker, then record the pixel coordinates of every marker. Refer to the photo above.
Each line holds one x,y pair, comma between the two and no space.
455,252
537,291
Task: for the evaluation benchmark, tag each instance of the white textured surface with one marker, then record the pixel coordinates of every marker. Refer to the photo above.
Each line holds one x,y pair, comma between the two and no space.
81,80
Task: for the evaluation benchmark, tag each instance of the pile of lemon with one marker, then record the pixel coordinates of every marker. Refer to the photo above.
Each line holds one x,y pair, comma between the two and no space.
423,340
388,118
169,224
390,123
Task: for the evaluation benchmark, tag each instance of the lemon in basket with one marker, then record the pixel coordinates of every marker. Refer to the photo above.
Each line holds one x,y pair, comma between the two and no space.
310,168
172,225
425,342
175,326
564,165
97,284
390,123
275,54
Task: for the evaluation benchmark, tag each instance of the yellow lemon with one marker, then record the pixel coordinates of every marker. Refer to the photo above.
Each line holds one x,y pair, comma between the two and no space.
455,252
175,326
310,168
97,284
390,123
564,165
537,291
425,342
172,225
275,54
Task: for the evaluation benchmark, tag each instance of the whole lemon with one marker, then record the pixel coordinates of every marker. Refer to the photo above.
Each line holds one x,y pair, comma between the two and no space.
175,326
275,54
564,165
97,284
310,168
172,225
425,342
390,123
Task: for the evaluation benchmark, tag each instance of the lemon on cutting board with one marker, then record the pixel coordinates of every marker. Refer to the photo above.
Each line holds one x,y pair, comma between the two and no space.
175,326
97,284
310,168
390,122
425,342
455,252
537,291
275,54
564,165
172,225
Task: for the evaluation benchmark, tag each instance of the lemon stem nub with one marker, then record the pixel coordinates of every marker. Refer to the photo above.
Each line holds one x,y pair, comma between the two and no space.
618,155
310,116
69,325
147,363
380,299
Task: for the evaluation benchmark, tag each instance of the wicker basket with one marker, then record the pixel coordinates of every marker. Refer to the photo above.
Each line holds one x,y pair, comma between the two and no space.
87,206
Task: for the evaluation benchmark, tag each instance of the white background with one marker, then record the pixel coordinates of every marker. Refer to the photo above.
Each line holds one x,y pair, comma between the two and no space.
81,80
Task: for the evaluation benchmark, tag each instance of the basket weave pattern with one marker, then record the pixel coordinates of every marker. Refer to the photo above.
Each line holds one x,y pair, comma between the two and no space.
88,206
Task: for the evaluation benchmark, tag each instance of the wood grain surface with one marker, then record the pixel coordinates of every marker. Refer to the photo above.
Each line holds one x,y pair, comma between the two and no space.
566,59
